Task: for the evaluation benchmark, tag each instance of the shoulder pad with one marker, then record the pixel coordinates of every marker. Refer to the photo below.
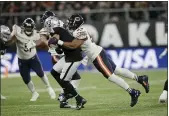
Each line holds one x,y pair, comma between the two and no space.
80,33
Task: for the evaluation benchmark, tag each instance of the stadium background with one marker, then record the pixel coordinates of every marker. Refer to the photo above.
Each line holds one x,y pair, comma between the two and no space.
133,33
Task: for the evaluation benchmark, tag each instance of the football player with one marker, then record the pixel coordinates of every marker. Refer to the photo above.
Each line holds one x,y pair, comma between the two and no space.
98,56
164,95
27,58
56,54
4,37
67,65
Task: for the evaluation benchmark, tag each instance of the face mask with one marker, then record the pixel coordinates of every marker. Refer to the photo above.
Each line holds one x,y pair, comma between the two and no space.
28,33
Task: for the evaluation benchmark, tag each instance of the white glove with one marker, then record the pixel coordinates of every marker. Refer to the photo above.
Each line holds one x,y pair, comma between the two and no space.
52,51
163,53
14,30
30,44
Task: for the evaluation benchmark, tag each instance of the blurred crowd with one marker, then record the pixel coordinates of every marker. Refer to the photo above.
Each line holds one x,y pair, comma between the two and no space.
86,7
33,6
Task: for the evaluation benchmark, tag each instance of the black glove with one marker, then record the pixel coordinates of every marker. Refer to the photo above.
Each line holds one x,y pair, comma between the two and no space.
59,50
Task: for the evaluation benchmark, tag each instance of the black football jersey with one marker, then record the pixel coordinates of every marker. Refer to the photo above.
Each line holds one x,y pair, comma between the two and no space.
71,55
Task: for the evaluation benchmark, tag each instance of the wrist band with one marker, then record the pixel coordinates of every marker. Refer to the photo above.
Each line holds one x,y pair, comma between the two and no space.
60,42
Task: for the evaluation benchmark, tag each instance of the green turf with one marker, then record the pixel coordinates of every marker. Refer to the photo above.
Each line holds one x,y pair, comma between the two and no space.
104,98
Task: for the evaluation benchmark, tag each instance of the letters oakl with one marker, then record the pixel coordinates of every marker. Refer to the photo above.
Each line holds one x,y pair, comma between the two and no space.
134,34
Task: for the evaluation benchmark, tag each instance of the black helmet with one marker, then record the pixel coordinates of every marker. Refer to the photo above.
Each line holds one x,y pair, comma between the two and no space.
74,21
28,26
46,15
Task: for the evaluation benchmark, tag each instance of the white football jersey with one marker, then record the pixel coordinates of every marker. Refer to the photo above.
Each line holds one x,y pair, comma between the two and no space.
22,39
88,47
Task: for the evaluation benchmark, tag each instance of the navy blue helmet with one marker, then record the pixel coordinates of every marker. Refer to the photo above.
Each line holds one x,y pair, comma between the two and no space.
74,21
46,15
28,26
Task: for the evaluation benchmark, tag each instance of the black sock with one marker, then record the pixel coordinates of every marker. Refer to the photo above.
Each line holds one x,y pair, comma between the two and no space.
68,87
78,98
166,85
71,90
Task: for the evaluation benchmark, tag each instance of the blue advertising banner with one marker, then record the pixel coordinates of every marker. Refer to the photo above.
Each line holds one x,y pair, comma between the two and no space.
139,58
131,58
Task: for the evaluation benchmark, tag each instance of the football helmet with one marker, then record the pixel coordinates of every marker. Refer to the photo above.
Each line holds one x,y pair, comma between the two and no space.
4,33
74,21
52,22
28,26
46,15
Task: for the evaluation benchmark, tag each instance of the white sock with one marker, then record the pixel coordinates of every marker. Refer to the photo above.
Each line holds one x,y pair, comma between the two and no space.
31,86
119,81
46,81
75,83
125,73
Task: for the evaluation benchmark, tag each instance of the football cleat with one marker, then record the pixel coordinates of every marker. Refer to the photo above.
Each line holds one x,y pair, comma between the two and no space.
163,97
64,105
35,96
143,80
134,96
80,104
51,93
64,102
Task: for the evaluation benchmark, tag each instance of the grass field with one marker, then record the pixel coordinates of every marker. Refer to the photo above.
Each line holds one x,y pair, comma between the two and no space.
104,98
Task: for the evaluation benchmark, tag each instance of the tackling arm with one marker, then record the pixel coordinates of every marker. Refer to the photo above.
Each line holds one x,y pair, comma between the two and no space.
74,44
11,41
71,45
12,37
42,42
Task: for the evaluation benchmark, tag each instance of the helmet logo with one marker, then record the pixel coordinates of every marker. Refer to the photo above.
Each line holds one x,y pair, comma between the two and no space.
77,18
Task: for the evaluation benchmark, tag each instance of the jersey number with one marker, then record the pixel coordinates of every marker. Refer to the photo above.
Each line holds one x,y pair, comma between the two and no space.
26,49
